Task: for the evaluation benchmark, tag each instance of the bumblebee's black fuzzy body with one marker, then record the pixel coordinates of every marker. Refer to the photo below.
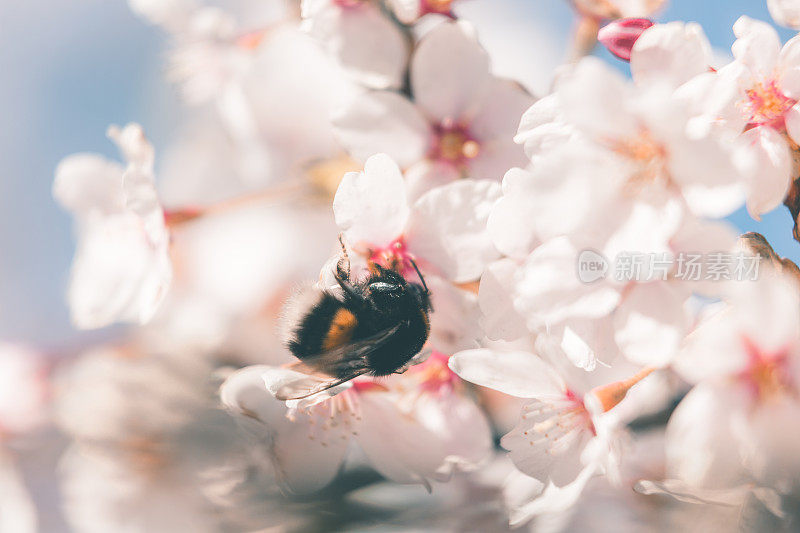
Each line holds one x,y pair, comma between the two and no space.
375,327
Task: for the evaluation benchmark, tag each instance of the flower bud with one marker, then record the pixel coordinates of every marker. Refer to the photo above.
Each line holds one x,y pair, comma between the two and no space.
620,36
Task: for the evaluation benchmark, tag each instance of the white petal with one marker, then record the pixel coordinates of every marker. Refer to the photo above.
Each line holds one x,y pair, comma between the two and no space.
757,45
644,226
584,342
511,224
370,206
549,288
785,12
450,73
713,349
707,170
770,439
455,321
767,311
367,43
495,158
596,98
133,144
701,448
461,427
543,125
650,323
383,122
141,198
500,320
117,273
671,53
306,449
447,228
548,441
88,181
555,500
519,374
499,115
698,236
245,396
789,70
770,184
792,120
428,175
396,443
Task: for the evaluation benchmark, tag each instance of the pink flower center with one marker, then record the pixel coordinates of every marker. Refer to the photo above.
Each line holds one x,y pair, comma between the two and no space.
767,373
647,154
766,105
442,7
455,145
434,375
394,256
251,40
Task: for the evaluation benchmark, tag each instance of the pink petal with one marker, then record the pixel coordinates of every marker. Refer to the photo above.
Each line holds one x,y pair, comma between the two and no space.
620,36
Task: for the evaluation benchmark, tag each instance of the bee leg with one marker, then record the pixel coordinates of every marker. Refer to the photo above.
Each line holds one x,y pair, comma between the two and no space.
343,266
343,273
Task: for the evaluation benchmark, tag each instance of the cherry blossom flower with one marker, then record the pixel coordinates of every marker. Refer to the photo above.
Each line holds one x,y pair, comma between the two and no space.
150,449
442,230
757,94
460,123
210,56
733,427
785,12
366,42
565,434
122,269
644,134
411,428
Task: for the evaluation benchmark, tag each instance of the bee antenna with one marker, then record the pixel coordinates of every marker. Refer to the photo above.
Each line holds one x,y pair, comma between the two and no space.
422,279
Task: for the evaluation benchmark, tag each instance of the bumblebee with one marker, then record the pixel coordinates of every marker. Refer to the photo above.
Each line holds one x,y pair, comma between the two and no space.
375,327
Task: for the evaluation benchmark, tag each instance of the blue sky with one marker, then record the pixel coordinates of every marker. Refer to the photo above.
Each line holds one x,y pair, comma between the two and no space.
72,68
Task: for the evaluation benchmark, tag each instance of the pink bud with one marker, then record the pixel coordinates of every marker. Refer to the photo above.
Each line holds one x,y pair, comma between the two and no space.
620,36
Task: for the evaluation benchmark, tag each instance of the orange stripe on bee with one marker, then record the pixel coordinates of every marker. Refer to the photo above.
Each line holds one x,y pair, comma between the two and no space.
341,329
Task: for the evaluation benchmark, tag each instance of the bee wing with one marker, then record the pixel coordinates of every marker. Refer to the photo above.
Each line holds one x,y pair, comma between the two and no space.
311,385
346,362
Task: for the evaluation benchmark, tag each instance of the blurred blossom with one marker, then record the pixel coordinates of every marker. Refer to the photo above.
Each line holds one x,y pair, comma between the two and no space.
785,12
363,39
150,449
743,360
121,270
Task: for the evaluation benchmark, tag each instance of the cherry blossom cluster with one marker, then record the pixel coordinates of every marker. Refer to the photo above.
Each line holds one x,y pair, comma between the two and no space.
548,381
